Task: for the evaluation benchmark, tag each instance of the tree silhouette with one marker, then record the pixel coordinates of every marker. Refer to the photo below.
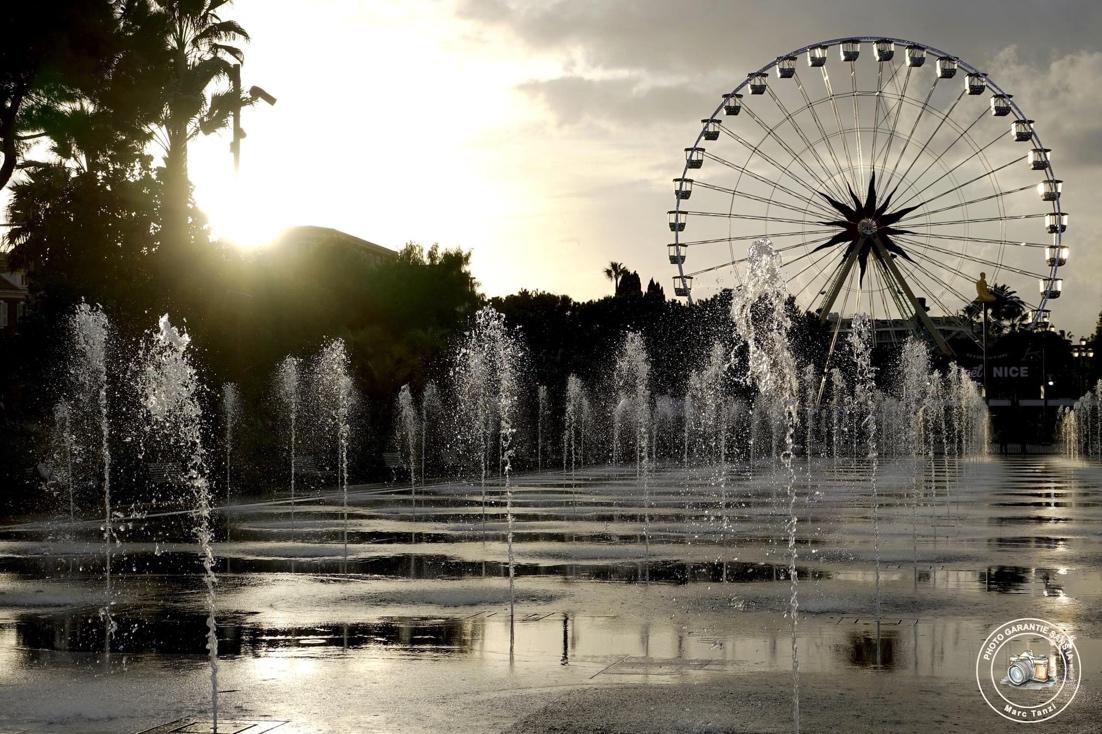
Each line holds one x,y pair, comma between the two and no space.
1006,313
629,284
613,272
49,52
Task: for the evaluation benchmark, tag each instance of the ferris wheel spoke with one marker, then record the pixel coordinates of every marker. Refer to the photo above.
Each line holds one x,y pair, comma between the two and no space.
914,127
815,278
926,145
749,237
793,121
917,274
806,255
739,215
902,93
939,179
751,197
876,120
984,240
950,289
938,264
741,260
849,171
762,179
822,130
963,134
972,258
772,133
857,125
977,220
970,181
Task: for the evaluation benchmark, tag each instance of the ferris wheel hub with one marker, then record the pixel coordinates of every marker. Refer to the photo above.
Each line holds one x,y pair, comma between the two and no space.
867,227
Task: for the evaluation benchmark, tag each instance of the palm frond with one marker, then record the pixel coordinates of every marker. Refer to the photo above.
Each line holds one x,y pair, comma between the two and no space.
224,30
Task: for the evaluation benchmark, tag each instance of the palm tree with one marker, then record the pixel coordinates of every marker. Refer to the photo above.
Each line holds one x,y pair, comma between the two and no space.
200,49
613,272
51,55
1005,313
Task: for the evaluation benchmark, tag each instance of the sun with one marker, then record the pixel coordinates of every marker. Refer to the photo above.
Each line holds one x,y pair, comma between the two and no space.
245,213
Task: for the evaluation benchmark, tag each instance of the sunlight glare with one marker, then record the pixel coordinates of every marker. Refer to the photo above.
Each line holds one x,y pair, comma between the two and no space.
245,213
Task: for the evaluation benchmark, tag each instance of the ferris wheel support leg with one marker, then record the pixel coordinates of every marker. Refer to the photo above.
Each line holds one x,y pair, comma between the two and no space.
921,316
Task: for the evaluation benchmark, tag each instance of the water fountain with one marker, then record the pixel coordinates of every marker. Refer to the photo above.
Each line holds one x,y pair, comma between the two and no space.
838,420
1080,425
335,398
288,399
631,377
761,323
231,414
169,388
408,434
59,479
430,410
809,381
573,428
486,372
632,380
89,333
541,416
864,408
914,399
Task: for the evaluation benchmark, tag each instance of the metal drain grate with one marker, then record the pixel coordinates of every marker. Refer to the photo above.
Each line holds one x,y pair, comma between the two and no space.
203,726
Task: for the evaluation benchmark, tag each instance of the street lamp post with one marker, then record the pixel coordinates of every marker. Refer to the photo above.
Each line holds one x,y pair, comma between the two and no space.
255,93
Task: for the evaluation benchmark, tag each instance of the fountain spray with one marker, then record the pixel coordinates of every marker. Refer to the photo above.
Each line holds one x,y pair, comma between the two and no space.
864,403
287,391
169,386
89,333
758,311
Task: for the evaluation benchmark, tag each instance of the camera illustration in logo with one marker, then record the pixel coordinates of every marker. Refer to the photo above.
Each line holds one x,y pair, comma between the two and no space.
1042,670
1029,668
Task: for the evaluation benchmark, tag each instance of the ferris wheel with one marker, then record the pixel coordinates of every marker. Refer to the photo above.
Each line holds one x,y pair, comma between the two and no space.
889,176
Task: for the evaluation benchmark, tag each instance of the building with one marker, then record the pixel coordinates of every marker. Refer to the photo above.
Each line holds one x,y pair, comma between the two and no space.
311,236
13,296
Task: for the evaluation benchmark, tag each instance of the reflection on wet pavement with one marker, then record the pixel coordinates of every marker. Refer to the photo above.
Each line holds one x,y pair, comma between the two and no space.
691,585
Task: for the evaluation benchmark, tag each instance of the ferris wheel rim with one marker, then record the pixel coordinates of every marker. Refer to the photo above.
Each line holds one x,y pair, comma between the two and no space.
997,90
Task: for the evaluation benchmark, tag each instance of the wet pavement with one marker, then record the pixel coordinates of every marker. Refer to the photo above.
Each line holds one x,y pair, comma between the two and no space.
394,615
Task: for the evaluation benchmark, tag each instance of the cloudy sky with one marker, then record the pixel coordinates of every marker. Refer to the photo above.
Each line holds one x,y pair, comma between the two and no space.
543,135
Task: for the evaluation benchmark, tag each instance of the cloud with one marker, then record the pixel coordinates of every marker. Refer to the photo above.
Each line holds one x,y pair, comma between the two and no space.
703,38
1063,97
625,101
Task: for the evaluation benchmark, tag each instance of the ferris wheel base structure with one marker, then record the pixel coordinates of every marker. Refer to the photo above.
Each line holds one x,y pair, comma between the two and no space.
887,186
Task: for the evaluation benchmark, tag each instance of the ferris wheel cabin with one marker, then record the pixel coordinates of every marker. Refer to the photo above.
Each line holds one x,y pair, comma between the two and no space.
682,285
1000,105
1050,189
946,67
683,188
732,104
1057,255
